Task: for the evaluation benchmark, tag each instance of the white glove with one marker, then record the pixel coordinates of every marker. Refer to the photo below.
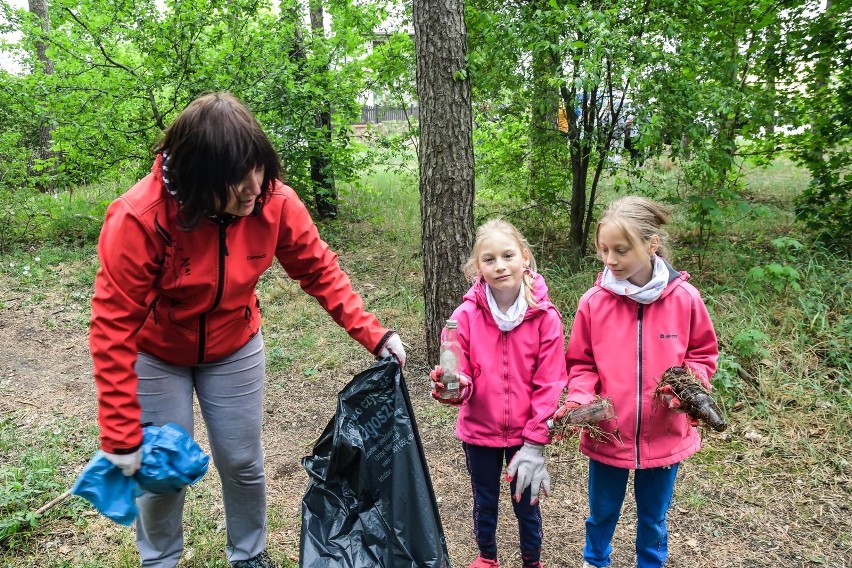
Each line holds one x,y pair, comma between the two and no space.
127,463
393,347
528,464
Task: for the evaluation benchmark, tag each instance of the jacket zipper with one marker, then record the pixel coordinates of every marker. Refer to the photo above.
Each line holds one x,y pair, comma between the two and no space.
220,285
506,388
153,309
638,383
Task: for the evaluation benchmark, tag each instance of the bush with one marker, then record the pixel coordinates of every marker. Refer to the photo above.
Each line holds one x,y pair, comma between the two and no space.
29,218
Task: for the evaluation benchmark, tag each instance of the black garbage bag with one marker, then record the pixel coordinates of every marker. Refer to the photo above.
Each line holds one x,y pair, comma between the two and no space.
370,501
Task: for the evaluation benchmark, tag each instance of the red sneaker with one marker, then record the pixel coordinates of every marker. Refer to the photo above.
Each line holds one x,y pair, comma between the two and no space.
481,562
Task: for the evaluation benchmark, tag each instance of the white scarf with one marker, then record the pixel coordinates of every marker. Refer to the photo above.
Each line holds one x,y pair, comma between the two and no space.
642,294
511,318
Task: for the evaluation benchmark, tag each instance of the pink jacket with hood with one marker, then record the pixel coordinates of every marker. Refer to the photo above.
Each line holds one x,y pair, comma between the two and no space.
517,376
618,348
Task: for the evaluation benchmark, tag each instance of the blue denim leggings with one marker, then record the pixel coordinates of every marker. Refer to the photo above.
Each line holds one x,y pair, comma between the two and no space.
485,466
230,395
653,490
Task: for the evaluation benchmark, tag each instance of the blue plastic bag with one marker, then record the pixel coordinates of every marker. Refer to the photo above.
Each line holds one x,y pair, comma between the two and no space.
171,460
108,490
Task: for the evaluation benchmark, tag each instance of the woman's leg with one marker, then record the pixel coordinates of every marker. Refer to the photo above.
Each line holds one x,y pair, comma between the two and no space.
165,394
654,489
230,394
485,466
607,486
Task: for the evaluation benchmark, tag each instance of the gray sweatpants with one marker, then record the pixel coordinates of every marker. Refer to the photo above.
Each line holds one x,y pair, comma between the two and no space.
230,395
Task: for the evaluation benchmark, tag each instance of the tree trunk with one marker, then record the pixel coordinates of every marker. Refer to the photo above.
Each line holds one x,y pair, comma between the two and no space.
772,73
446,159
43,155
579,132
325,192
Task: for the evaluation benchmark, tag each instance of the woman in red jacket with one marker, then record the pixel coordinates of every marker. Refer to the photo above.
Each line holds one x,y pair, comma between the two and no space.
640,318
175,312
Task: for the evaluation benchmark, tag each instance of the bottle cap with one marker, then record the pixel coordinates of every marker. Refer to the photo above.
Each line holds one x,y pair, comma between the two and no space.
451,324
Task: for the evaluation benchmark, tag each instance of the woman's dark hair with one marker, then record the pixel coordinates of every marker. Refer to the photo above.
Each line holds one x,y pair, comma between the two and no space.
211,146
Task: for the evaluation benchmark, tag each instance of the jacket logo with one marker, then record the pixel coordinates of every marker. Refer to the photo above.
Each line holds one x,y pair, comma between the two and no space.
668,336
256,256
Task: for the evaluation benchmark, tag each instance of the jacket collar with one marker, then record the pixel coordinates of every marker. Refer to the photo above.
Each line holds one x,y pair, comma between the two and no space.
476,294
674,276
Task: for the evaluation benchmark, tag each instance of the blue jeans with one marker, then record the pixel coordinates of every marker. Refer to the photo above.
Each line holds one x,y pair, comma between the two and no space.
485,466
230,395
653,489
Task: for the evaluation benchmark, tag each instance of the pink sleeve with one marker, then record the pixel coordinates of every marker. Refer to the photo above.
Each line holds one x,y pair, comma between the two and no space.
549,380
583,379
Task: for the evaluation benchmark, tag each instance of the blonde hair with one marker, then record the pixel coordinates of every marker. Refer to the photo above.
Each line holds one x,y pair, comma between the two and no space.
640,219
471,267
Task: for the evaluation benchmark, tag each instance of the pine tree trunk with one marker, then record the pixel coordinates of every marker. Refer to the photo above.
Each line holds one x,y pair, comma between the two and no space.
446,159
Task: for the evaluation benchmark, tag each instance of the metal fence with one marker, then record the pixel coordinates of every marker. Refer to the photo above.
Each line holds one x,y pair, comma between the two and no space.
376,114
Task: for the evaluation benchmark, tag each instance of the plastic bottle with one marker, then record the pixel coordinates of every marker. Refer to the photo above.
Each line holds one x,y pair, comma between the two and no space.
450,357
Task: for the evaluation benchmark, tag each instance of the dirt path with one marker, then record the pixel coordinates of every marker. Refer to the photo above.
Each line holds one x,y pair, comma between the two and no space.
744,503
45,365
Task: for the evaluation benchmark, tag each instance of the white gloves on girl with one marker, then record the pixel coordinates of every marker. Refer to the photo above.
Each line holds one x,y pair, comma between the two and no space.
528,465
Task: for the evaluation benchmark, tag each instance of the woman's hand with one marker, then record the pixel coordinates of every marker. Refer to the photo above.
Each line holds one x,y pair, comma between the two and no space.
127,463
394,348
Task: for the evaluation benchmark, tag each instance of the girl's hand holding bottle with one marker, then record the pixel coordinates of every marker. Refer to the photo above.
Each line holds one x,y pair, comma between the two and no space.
445,391
448,382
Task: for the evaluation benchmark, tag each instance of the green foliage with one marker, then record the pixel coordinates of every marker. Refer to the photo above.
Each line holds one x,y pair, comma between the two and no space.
122,71
776,276
688,79
727,377
31,464
500,149
31,218
825,209
826,308
821,109
749,344
13,157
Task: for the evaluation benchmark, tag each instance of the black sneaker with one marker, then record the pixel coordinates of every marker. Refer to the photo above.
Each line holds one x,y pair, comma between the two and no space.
262,560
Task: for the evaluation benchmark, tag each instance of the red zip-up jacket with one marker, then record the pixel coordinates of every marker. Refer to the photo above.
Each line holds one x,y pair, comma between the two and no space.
188,297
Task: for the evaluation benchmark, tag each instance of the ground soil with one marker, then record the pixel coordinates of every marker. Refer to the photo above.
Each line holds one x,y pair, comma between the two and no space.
745,509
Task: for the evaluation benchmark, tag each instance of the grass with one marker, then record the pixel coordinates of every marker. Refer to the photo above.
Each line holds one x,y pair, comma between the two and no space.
784,381
36,466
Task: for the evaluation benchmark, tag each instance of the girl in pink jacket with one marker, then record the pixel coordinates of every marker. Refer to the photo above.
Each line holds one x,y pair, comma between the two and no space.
512,373
640,318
